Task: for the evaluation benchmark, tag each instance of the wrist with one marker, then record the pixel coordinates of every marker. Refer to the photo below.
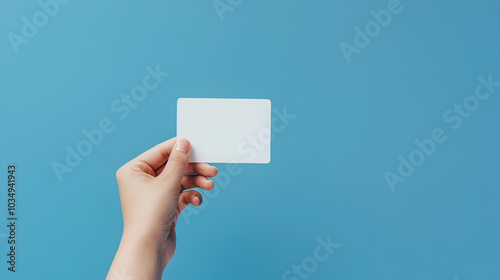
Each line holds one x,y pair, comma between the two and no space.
145,244
138,258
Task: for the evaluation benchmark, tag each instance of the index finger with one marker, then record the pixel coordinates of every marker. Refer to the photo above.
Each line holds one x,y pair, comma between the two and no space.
203,169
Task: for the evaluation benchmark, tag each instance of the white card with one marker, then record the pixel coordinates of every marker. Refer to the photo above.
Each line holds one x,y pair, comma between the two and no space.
226,130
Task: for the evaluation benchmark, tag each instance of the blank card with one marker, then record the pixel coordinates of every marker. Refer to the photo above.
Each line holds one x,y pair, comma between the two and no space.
226,130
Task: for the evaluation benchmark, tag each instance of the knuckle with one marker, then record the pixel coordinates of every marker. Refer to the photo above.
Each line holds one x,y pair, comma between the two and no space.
163,152
120,172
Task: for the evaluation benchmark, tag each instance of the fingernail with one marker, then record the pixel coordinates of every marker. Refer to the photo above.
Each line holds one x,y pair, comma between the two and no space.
183,145
197,201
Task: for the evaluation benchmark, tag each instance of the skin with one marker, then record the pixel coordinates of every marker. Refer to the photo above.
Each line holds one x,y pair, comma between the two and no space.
154,189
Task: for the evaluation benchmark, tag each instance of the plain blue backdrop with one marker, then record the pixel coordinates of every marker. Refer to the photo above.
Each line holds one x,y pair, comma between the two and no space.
326,177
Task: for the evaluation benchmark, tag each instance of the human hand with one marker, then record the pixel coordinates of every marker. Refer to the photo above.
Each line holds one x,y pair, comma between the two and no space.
154,189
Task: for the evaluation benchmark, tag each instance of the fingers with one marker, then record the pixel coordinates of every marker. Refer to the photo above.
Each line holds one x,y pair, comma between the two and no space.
189,182
158,155
189,197
202,169
177,163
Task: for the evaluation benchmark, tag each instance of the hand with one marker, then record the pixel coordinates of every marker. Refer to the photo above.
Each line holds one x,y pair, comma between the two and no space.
154,190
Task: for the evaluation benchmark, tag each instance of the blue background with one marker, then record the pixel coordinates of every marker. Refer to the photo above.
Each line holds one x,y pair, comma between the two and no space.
326,177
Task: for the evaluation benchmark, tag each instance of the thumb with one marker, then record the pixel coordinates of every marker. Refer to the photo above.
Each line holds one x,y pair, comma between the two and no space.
177,162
